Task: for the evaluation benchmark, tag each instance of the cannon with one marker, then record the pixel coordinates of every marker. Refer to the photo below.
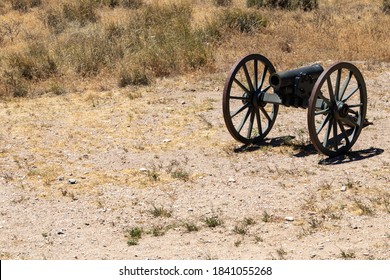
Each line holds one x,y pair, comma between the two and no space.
335,99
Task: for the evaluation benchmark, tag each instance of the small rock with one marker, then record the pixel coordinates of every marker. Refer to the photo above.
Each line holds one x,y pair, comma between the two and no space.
343,188
289,219
143,169
232,180
183,102
72,181
190,209
61,178
167,140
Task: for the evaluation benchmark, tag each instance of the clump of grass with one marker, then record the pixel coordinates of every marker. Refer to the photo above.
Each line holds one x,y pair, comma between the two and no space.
222,3
364,208
180,174
133,235
266,218
158,231
386,6
136,77
244,21
213,221
281,253
347,255
190,227
306,5
160,212
24,5
240,229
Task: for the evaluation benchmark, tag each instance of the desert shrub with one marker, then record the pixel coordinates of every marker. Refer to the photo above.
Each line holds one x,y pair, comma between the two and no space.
82,12
386,6
33,64
244,21
165,42
255,3
306,5
55,21
132,4
87,52
14,85
137,77
222,3
24,5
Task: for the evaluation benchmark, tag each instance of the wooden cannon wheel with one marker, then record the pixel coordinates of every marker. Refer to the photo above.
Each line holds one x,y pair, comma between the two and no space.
247,118
337,109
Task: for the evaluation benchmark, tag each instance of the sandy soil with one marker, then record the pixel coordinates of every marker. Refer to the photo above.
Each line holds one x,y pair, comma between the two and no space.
81,172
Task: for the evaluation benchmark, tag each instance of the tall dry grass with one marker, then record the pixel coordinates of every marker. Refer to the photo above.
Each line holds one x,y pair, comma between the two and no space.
46,44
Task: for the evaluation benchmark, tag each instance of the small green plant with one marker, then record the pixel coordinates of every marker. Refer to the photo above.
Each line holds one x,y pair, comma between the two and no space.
160,212
158,231
347,255
249,221
133,235
191,227
266,218
240,229
180,174
281,253
213,221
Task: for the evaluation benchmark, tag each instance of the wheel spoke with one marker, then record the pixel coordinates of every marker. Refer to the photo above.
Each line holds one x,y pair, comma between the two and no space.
345,85
256,73
355,105
252,118
239,110
266,88
330,89
265,114
324,122
248,78
322,112
326,137
258,119
326,100
239,98
335,134
263,77
241,86
351,93
338,80
243,121
344,132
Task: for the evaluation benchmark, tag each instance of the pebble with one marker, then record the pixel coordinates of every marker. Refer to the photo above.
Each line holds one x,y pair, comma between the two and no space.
167,140
143,169
343,188
72,181
232,180
289,219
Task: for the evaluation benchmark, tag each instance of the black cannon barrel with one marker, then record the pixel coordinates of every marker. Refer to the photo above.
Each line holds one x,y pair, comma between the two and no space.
287,78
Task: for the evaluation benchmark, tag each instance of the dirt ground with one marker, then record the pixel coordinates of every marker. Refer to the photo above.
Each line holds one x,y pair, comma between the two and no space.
152,173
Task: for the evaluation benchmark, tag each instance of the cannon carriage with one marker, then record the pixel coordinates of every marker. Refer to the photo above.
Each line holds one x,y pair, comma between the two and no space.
335,99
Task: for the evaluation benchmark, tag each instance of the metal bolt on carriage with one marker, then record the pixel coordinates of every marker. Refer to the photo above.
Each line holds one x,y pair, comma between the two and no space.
336,100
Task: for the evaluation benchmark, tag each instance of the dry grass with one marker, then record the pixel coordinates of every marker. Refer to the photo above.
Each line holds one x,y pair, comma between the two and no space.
46,43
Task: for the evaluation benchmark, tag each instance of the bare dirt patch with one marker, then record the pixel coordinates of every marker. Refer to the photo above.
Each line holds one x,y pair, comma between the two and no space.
152,173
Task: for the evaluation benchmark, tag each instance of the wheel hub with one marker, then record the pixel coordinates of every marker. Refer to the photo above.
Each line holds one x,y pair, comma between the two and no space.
342,109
